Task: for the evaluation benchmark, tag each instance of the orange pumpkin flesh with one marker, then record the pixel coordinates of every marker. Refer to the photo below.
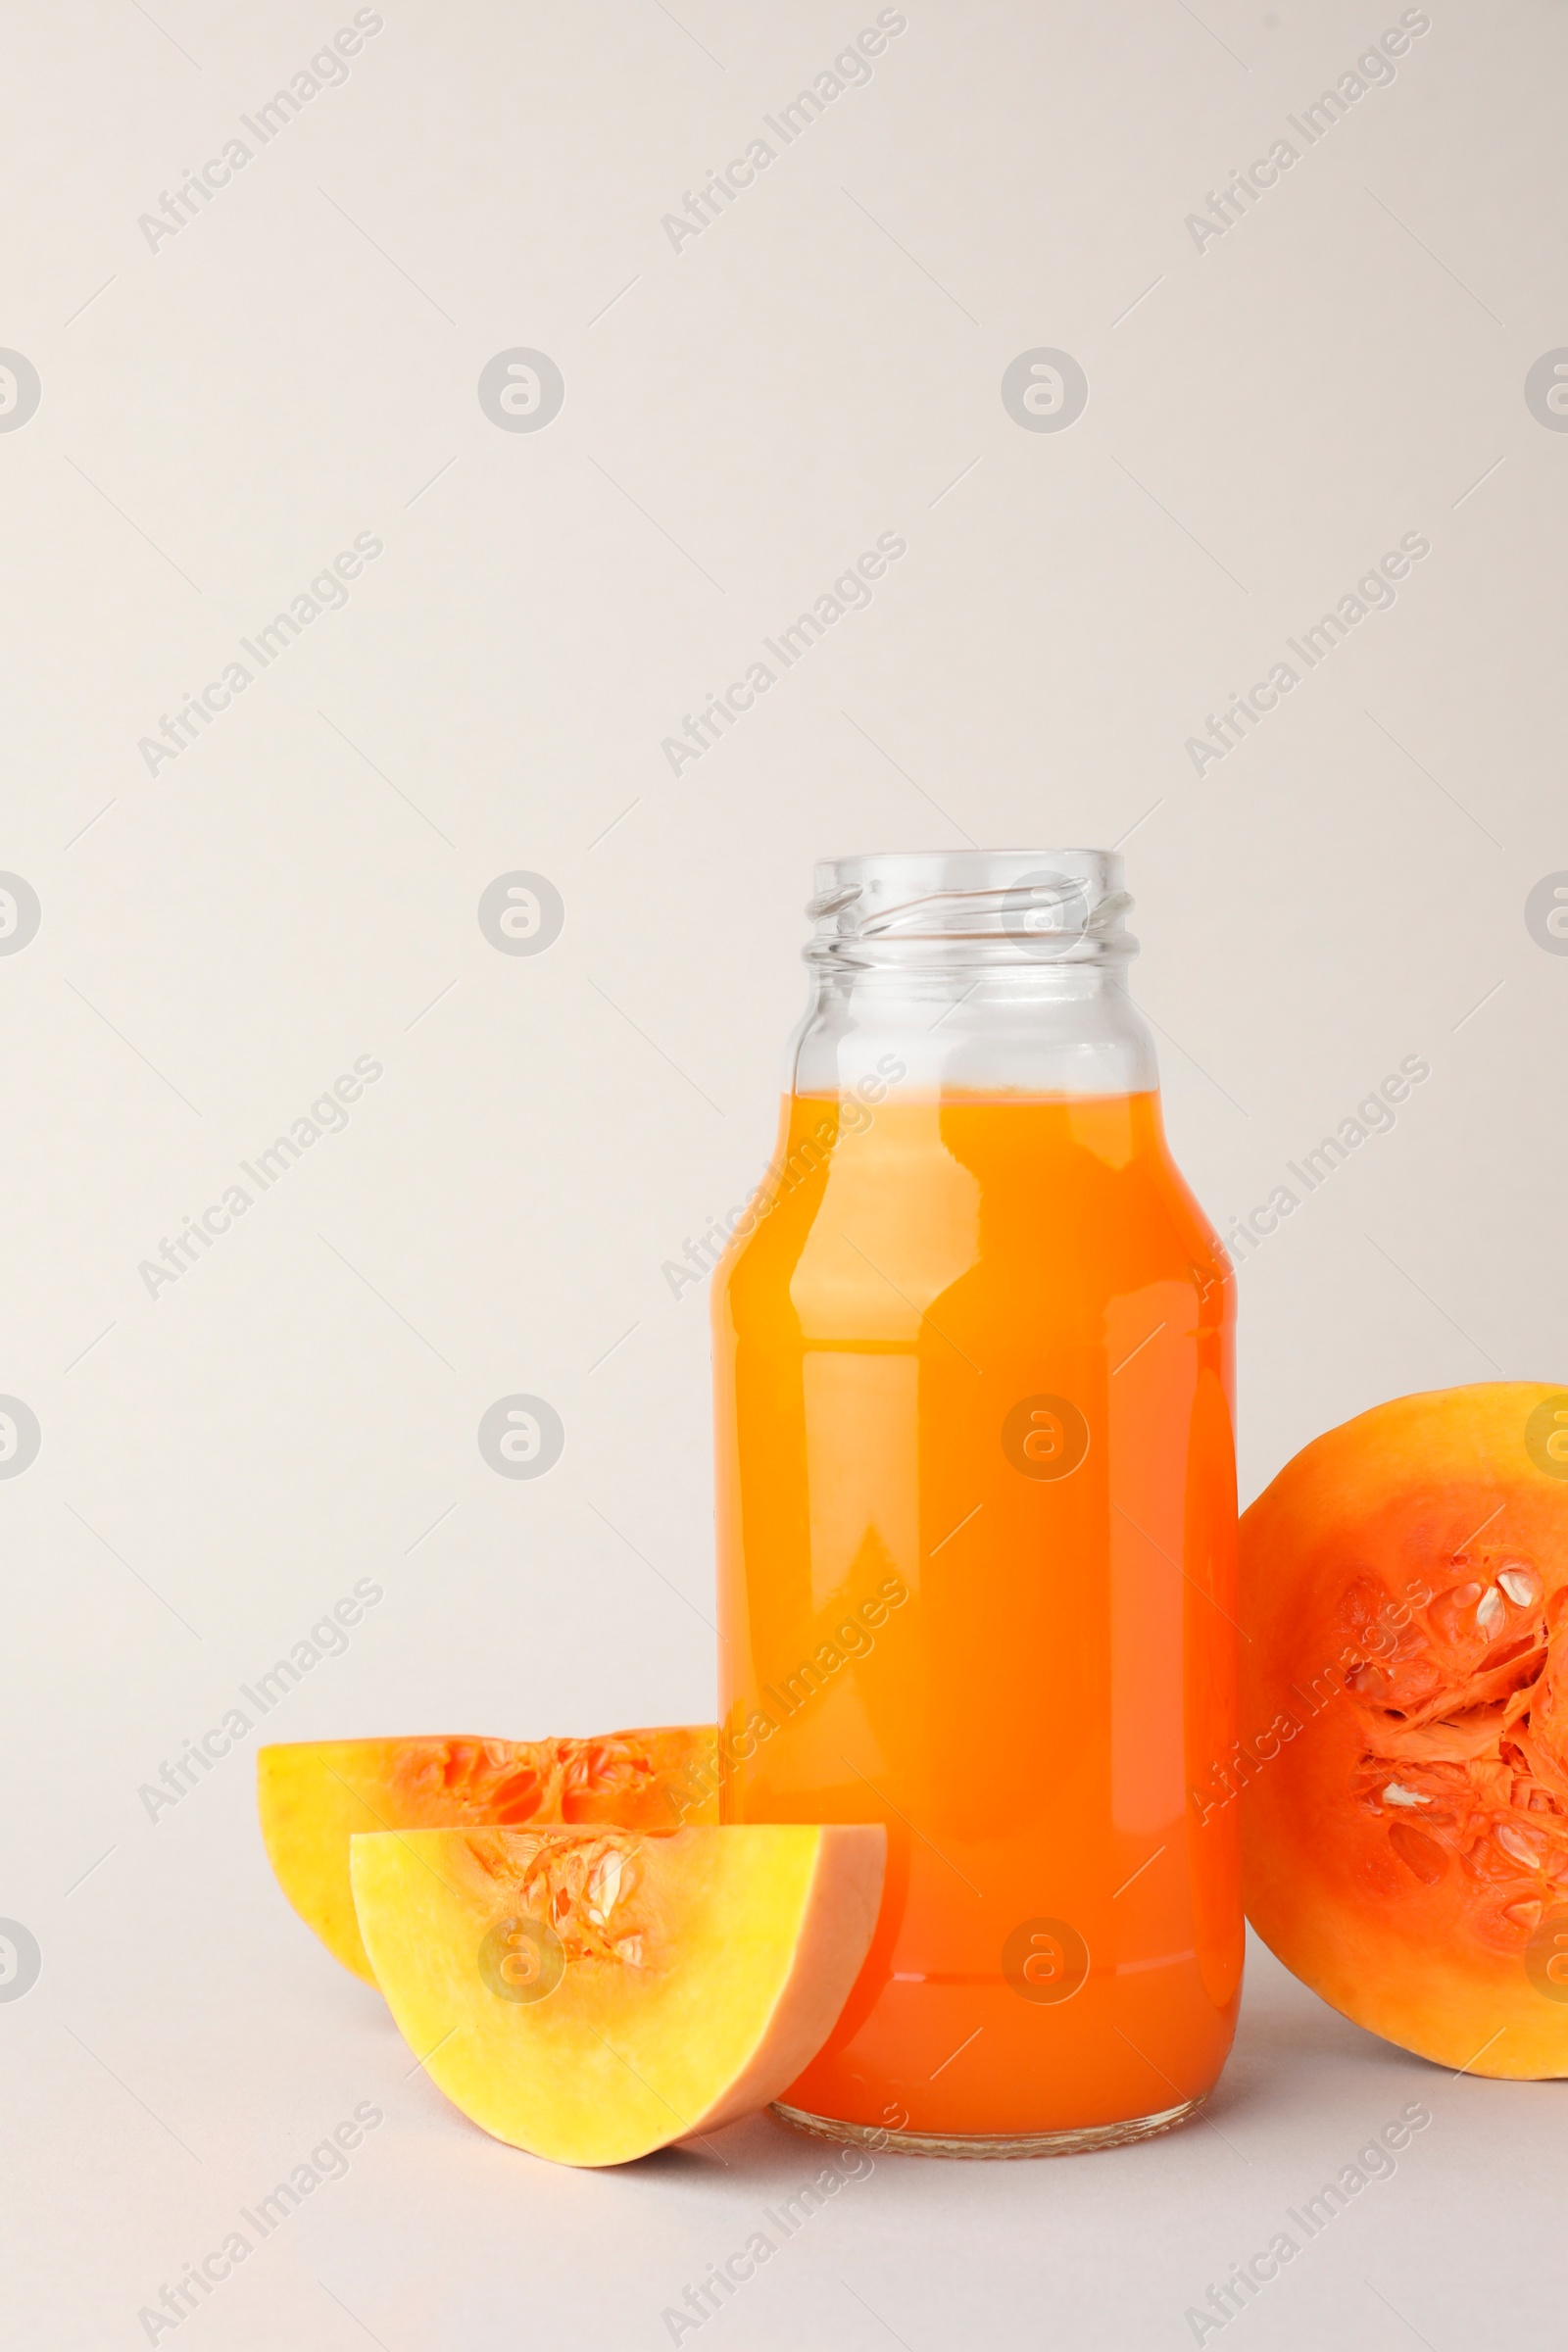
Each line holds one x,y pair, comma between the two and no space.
1404,1784
592,1994
316,1794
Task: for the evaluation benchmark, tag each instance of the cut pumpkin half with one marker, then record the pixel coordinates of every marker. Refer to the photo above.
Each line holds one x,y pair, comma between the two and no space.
592,1994
316,1794
1404,1783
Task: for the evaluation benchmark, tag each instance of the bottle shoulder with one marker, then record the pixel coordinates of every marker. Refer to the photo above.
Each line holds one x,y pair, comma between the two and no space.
873,1213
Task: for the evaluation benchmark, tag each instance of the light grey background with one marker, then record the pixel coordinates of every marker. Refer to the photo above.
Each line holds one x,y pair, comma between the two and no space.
220,415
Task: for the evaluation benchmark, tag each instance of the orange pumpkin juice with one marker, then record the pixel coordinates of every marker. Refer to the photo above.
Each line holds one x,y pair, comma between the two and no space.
976,1525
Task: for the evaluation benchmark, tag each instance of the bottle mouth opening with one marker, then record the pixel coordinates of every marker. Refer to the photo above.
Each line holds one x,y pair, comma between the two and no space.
990,907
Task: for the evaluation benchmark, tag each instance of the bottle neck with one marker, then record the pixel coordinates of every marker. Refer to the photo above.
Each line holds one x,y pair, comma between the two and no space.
972,971
1016,1028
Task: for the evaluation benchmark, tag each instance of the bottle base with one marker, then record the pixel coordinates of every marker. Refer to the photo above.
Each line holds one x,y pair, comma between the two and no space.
1001,2144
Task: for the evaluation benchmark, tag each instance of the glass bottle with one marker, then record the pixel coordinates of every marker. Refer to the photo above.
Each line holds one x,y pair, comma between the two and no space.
976,1511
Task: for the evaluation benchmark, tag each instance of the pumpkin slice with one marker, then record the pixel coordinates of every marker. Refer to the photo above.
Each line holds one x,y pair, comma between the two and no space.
1405,1814
592,1994
315,1794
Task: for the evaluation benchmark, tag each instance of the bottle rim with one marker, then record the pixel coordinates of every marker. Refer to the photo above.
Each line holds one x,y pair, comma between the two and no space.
1022,906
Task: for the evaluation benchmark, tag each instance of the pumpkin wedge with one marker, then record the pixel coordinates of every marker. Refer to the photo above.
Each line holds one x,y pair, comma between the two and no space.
592,1994
315,1794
